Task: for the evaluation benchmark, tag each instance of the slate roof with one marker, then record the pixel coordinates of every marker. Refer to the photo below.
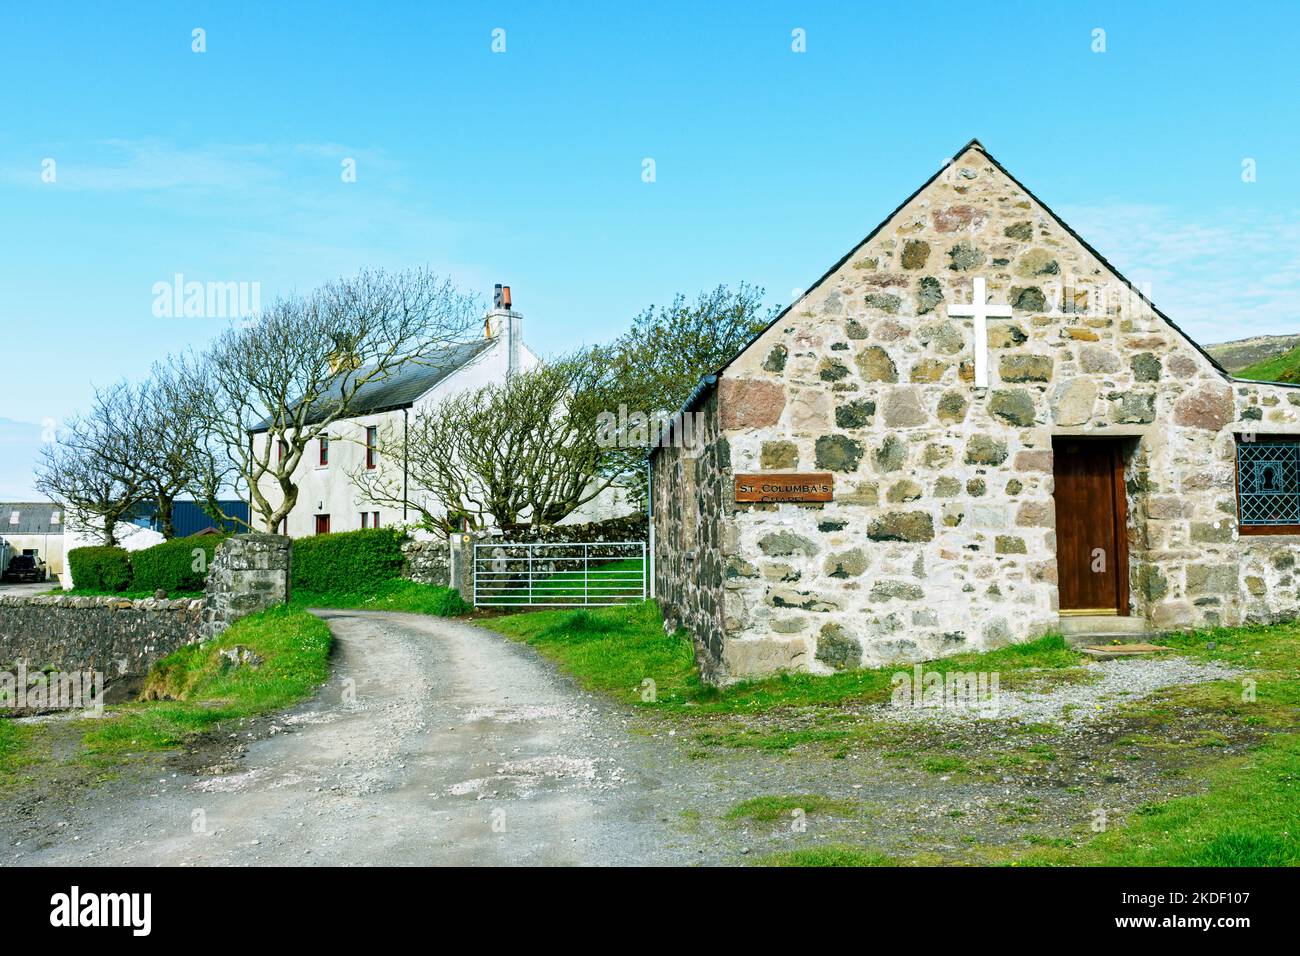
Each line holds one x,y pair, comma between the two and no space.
33,517
401,388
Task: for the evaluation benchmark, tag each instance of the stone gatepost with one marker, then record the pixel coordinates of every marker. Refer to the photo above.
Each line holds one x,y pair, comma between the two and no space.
250,572
461,547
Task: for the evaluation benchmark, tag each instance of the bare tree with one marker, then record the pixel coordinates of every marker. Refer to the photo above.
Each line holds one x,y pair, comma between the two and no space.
524,451
298,368
176,451
91,467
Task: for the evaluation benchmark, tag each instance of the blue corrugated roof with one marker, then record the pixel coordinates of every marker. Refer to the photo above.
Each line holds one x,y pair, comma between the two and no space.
188,518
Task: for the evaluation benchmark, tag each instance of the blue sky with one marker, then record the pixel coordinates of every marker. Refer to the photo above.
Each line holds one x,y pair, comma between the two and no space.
525,167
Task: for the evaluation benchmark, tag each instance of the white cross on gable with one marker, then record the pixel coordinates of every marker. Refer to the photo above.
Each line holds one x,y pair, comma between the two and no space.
980,310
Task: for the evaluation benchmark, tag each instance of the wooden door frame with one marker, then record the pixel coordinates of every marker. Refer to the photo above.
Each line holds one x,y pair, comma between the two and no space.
1119,498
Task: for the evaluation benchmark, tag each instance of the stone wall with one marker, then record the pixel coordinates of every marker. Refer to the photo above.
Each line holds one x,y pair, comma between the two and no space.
249,572
427,562
112,635
691,491
633,527
123,637
941,536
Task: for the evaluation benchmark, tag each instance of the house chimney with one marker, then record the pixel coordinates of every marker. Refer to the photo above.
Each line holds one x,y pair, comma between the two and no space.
507,324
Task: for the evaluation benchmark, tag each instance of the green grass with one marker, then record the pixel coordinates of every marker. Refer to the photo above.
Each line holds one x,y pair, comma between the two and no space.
833,855
780,808
15,747
1278,368
1250,816
613,649
198,689
394,595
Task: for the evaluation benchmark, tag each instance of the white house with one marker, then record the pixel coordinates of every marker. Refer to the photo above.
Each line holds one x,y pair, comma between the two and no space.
328,498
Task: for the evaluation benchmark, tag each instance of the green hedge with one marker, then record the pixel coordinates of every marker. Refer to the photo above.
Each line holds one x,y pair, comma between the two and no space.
173,565
100,568
347,560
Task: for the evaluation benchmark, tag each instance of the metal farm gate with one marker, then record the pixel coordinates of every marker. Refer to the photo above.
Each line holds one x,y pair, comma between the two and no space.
559,575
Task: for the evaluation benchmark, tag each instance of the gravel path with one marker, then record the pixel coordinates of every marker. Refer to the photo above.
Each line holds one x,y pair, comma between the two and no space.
434,742
1110,684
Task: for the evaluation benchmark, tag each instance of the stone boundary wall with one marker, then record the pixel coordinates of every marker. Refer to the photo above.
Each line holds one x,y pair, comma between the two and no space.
626,528
123,637
116,636
249,573
427,562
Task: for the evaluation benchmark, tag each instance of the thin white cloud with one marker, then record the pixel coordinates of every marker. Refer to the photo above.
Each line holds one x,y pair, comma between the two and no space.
146,165
1225,274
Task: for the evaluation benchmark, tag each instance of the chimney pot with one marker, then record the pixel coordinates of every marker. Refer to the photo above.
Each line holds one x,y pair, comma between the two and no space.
496,297
505,297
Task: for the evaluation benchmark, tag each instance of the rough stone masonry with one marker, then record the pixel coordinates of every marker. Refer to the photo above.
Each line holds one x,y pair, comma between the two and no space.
120,636
941,535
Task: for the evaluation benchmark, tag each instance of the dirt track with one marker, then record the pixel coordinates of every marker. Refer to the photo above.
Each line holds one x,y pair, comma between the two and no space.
433,743
437,742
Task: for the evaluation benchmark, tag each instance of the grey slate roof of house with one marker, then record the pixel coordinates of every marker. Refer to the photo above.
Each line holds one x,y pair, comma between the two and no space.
33,517
403,387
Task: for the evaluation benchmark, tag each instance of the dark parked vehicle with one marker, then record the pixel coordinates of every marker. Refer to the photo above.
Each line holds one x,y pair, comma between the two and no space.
25,567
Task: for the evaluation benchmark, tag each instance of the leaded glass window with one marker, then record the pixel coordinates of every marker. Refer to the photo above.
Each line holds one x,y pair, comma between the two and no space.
1268,482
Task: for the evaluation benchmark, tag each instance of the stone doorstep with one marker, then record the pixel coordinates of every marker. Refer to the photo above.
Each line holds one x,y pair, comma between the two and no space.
1115,651
1090,630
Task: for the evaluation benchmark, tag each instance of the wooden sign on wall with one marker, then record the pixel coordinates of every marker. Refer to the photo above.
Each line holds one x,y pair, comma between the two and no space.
816,486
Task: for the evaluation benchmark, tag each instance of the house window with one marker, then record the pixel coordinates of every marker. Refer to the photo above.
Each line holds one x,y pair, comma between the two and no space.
1268,486
56,517
13,517
324,451
365,518
374,519
372,438
322,524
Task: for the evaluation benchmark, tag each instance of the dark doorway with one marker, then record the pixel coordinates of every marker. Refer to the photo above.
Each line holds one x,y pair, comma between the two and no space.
1091,518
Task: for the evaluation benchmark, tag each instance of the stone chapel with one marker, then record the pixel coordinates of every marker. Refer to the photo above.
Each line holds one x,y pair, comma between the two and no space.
971,431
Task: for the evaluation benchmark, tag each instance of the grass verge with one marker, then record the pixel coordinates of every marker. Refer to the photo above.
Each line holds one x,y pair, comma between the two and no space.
613,649
617,649
195,688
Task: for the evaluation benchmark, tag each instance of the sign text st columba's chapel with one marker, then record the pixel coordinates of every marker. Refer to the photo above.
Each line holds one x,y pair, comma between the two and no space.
818,486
